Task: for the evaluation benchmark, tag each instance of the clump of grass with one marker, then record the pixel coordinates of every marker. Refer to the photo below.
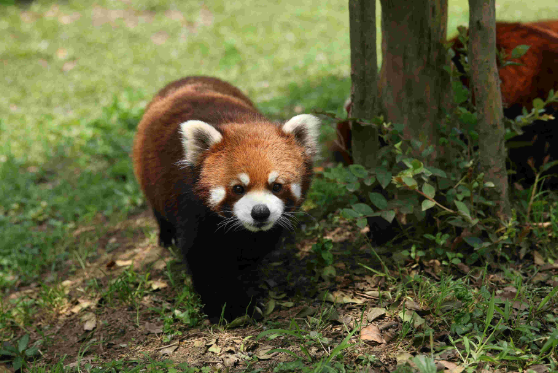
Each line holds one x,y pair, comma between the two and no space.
86,174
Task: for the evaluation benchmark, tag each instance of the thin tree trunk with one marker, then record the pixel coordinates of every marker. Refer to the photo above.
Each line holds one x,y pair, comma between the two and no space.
414,89
364,77
486,90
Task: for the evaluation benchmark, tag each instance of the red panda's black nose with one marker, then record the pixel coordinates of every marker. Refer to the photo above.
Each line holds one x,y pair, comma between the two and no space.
260,213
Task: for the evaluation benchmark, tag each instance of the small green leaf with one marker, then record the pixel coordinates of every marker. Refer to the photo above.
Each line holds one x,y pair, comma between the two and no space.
32,351
426,204
459,222
538,104
361,223
352,187
18,363
460,93
363,209
416,165
519,51
468,119
474,241
369,180
383,176
388,215
462,207
378,200
13,353
23,342
429,190
358,170
349,214
436,171
410,182
549,165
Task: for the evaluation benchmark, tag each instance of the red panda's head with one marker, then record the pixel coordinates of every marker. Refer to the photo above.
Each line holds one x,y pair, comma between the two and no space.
255,174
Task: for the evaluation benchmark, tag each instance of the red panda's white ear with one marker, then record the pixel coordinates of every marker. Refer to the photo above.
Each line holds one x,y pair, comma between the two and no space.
197,137
306,129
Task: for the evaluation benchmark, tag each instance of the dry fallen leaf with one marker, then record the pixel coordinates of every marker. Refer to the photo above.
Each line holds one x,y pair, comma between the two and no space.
411,316
168,350
539,368
230,360
371,334
199,343
124,263
306,311
158,284
509,292
215,349
538,258
375,313
412,305
262,353
90,321
463,267
152,328
69,65
404,357
82,305
451,367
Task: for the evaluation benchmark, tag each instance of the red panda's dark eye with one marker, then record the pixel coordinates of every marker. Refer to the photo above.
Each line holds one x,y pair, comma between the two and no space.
238,189
277,187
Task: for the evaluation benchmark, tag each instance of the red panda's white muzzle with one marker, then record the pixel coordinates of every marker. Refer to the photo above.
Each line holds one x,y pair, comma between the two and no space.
258,210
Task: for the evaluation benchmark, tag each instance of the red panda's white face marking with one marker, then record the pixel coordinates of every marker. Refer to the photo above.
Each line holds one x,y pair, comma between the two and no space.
272,177
295,188
216,195
244,178
252,174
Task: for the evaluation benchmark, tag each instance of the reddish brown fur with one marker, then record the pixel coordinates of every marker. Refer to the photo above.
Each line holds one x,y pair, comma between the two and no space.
158,147
538,72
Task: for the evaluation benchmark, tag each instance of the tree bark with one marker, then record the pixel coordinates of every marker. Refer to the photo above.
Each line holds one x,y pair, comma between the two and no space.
486,90
364,78
414,90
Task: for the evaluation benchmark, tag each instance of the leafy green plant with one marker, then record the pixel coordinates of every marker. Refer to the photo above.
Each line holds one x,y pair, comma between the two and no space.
18,355
323,264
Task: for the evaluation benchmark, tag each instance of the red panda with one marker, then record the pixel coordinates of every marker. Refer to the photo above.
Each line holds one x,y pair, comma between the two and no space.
520,85
223,182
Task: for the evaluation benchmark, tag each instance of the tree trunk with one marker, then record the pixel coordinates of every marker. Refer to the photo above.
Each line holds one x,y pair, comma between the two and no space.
486,90
414,88
364,72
